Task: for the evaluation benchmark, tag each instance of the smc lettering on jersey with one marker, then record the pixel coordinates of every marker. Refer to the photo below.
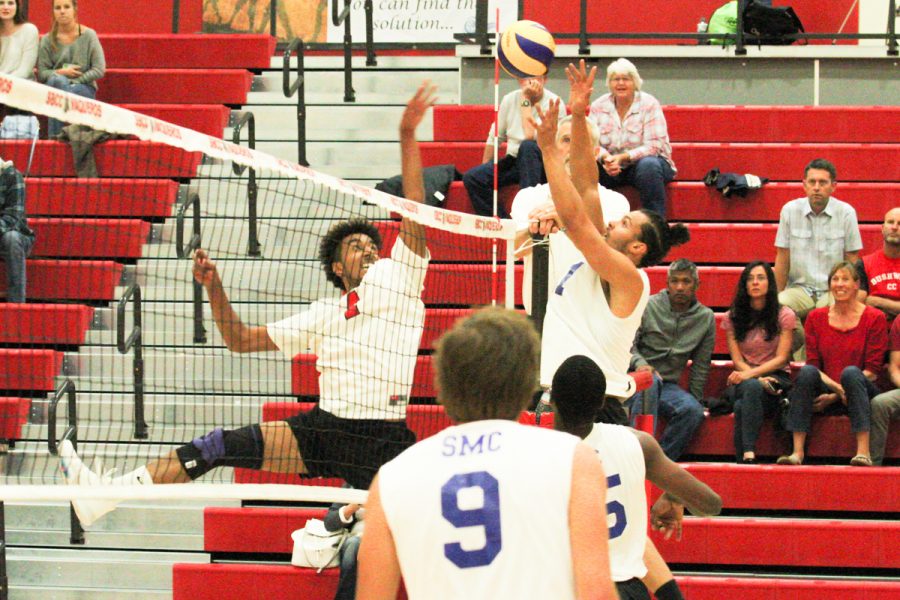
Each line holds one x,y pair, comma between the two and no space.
463,445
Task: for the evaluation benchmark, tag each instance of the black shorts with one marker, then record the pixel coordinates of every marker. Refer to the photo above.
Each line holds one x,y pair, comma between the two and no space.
352,449
633,589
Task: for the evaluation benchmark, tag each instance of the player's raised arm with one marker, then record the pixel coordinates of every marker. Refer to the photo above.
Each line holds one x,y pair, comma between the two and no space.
582,162
626,285
379,568
588,531
412,233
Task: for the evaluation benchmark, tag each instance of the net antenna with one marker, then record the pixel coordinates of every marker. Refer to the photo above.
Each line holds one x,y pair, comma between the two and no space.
156,174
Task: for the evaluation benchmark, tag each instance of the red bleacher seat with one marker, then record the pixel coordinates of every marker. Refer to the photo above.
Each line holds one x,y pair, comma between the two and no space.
778,162
703,123
786,542
107,197
804,488
13,414
693,201
210,119
188,51
29,369
771,588
69,279
118,158
175,86
44,323
89,238
259,530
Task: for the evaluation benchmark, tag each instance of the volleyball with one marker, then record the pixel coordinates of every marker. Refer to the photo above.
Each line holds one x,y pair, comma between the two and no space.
526,49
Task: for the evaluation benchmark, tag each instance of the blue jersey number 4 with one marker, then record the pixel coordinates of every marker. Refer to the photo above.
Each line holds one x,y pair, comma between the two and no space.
488,517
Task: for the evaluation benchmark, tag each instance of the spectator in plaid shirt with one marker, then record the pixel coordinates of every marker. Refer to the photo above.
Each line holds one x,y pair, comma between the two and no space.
634,140
16,238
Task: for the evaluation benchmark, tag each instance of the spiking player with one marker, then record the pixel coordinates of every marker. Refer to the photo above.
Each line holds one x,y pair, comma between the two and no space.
366,344
454,513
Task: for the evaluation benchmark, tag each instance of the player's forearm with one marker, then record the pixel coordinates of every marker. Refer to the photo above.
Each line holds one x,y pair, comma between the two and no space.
565,196
233,330
584,171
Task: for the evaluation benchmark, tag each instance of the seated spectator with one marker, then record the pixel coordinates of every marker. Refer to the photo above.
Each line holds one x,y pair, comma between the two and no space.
534,212
523,164
845,346
16,238
350,517
19,41
886,406
813,234
759,332
634,139
70,57
675,328
879,272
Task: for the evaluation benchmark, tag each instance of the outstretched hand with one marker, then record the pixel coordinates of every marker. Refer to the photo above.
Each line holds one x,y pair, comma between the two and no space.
424,98
581,85
546,129
204,269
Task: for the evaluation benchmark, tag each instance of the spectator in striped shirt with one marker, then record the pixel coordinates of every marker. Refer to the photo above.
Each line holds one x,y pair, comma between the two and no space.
634,139
16,238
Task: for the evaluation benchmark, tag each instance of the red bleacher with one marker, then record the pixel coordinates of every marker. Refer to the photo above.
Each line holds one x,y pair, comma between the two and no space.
175,86
778,162
44,323
89,238
69,279
13,414
187,51
107,197
210,119
29,369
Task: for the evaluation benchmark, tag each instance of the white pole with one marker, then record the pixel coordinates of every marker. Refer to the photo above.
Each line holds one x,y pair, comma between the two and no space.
510,273
816,82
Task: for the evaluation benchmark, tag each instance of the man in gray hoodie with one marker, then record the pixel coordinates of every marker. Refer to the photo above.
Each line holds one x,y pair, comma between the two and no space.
675,328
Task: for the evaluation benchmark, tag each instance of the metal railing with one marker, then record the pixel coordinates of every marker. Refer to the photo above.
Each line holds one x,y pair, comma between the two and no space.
741,39
192,199
337,20
297,87
67,389
134,341
245,117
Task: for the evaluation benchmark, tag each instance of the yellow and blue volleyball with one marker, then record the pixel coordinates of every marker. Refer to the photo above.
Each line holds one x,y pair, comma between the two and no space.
526,49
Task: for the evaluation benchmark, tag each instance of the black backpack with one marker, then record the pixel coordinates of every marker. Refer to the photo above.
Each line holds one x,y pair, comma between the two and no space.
770,24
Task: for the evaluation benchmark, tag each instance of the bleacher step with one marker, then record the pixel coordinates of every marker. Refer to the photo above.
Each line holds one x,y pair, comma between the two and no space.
398,84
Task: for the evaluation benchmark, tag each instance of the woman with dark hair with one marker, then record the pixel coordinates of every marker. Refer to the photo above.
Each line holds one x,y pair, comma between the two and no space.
759,332
845,347
18,40
70,57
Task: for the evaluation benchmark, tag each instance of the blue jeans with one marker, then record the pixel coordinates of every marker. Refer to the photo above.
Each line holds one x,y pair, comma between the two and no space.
346,589
809,384
526,169
682,411
14,247
650,176
61,82
751,405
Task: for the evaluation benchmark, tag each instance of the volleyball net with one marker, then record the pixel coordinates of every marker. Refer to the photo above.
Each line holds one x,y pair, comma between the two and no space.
122,350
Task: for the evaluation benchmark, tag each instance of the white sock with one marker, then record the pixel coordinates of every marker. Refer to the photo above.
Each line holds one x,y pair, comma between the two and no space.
140,476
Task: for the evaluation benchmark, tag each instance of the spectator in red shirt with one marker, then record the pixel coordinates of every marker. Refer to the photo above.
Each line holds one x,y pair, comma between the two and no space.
879,272
845,346
886,406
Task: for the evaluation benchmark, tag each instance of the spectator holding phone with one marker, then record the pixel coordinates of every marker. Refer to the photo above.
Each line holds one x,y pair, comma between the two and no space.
70,57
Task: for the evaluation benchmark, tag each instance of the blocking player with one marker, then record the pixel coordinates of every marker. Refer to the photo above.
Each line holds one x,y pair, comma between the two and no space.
629,456
597,305
454,513
366,342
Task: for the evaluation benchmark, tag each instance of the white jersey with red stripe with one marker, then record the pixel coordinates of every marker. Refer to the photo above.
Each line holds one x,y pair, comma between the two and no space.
481,511
626,498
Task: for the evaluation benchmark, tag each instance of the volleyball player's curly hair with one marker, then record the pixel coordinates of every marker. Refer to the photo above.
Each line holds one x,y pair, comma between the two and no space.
330,246
659,237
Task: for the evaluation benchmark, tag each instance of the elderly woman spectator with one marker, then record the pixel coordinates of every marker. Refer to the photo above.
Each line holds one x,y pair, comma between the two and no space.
70,57
634,138
845,347
759,331
18,41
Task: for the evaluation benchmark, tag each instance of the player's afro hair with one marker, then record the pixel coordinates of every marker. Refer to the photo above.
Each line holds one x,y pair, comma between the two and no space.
330,246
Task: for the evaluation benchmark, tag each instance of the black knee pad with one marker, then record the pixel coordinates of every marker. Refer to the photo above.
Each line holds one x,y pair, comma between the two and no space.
223,448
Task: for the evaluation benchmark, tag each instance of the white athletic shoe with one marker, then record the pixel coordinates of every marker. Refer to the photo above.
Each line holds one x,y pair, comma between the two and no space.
78,473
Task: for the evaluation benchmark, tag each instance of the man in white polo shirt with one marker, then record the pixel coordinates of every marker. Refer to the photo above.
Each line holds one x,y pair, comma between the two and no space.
366,342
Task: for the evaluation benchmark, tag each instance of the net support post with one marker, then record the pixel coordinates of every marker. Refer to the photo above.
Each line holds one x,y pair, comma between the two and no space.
510,283
540,269
191,199
133,292
297,87
245,117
